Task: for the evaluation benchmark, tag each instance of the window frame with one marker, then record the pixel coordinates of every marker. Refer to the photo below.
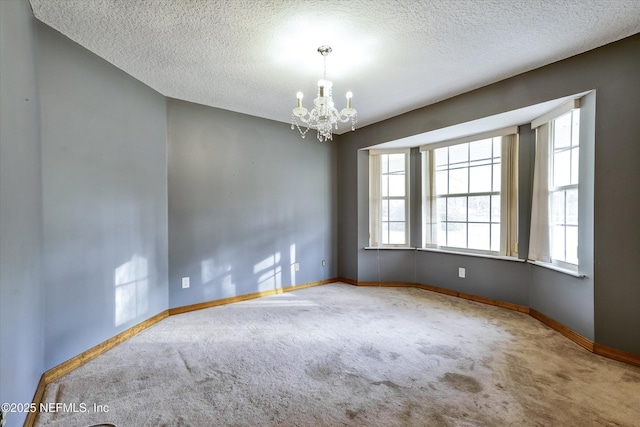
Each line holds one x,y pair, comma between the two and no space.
557,189
376,201
507,235
542,252
467,195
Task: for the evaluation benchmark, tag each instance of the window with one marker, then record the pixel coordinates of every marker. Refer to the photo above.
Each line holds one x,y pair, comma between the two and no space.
563,191
554,217
389,198
470,194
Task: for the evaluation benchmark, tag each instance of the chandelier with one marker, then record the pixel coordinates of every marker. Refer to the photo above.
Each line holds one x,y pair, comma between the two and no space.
323,117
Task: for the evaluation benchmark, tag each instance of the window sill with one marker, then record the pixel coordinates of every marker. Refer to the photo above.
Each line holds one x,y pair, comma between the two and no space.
473,254
392,248
441,251
558,269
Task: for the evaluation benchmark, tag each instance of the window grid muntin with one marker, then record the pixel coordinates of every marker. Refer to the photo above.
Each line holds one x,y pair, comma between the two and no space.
572,146
385,222
442,165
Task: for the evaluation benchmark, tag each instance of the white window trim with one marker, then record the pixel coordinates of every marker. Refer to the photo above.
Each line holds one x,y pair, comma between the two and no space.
507,248
375,219
389,248
555,113
375,152
553,264
510,130
455,251
555,267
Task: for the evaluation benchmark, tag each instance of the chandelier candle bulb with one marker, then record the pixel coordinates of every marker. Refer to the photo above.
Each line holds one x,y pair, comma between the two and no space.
324,116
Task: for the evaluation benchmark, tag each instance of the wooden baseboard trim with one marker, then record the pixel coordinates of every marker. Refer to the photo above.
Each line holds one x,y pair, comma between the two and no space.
79,360
616,354
471,297
75,362
239,298
30,420
389,284
600,349
439,290
559,327
348,281
495,302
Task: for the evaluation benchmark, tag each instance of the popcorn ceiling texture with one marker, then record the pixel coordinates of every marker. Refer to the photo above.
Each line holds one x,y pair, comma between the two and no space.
252,56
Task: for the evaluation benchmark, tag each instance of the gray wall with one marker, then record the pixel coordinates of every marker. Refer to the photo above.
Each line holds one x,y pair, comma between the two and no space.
248,198
568,299
613,318
104,204
21,319
348,166
617,198
84,202
85,249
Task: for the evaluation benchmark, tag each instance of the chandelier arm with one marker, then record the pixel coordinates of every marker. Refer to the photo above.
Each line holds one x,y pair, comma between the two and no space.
323,117
304,119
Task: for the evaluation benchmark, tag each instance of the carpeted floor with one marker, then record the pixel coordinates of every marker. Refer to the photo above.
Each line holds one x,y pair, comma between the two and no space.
340,355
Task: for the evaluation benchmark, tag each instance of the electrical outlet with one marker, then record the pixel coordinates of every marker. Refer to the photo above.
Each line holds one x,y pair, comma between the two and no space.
296,266
324,262
185,282
462,272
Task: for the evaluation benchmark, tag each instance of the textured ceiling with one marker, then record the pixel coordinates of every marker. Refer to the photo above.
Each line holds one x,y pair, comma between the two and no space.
252,56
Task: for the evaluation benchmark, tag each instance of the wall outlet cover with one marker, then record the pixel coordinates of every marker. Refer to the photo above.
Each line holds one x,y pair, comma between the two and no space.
185,282
461,272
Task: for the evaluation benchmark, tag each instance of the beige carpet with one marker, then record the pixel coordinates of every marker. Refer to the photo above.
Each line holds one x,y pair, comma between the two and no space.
339,355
